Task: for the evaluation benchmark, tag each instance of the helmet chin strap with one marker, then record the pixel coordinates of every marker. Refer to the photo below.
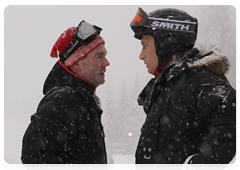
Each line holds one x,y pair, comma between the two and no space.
164,51
156,73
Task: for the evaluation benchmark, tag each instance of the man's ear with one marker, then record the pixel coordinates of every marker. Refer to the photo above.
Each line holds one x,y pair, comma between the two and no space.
76,67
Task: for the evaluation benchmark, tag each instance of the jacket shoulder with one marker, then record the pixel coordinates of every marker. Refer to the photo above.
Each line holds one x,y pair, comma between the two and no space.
58,101
61,94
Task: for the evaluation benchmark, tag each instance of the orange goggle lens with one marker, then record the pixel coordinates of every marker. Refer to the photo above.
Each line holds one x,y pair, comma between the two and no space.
139,18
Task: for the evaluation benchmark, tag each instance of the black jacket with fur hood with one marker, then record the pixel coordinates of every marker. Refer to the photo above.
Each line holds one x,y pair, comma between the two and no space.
191,112
67,128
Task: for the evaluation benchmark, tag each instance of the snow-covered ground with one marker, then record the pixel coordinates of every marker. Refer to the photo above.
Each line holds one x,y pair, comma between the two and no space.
13,133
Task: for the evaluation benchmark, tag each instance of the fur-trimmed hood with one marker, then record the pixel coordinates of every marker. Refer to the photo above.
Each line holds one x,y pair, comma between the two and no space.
211,58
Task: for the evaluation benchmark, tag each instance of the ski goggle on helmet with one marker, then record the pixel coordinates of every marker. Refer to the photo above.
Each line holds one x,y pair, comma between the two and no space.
165,21
84,35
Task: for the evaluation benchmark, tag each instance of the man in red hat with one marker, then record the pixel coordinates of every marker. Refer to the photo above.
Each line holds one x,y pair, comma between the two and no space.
67,125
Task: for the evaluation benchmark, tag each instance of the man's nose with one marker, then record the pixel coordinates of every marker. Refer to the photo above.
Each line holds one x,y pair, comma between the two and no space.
106,63
141,56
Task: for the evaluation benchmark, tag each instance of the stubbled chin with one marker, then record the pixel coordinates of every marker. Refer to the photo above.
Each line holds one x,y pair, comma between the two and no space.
101,80
150,71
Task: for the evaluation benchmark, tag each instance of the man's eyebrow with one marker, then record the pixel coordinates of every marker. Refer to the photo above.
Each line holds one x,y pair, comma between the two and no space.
101,53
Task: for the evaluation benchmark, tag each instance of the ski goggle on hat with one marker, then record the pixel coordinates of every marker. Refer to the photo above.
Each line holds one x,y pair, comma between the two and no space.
85,35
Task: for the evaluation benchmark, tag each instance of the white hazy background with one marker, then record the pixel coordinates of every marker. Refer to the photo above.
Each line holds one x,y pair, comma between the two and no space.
31,31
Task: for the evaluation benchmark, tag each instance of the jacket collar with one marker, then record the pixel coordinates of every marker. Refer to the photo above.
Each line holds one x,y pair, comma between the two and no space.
60,75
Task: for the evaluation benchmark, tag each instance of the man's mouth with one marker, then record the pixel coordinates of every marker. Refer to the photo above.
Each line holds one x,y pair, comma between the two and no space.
146,64
102,73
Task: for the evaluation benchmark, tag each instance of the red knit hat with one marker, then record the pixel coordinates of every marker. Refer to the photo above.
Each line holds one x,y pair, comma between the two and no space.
66,38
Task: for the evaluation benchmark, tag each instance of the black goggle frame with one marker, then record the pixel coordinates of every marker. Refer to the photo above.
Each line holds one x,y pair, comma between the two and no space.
85,34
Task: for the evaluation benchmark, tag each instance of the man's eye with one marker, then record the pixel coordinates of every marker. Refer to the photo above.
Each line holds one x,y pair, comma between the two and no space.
99,57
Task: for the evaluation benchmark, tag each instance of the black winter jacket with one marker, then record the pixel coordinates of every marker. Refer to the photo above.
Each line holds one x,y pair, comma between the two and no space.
67,125
191,112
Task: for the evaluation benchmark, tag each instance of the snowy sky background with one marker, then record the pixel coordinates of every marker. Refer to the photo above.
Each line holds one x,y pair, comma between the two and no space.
31,31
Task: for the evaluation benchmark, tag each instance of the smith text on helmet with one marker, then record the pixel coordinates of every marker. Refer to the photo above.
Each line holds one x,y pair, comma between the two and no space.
173,25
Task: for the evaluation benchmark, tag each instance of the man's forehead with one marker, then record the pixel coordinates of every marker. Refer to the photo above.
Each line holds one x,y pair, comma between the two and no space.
100,49
146,38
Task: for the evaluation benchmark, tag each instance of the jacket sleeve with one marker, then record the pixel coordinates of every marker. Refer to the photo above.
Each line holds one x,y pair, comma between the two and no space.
216,102
47,138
